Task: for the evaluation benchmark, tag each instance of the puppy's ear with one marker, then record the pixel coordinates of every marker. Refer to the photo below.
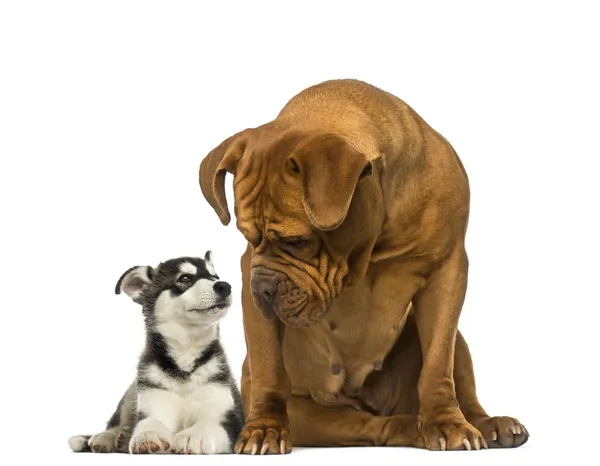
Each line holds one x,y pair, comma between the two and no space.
329,169
134,281
208,262
208,258
213,168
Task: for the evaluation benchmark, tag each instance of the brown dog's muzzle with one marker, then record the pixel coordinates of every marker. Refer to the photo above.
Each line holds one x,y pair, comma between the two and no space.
276,295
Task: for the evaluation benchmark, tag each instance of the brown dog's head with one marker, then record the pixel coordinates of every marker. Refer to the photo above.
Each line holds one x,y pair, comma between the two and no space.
297,203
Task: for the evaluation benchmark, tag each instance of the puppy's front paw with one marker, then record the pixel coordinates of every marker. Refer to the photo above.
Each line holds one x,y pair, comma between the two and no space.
150,442
186,443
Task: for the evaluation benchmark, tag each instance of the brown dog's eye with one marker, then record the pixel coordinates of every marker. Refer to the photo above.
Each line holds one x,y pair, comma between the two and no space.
295,242
185,278
294,166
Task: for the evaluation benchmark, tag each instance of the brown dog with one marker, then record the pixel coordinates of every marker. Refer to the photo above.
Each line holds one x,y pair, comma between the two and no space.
355,212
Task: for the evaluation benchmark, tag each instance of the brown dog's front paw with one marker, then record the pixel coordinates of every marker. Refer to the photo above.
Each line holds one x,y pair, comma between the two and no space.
451,432
264,436
502,432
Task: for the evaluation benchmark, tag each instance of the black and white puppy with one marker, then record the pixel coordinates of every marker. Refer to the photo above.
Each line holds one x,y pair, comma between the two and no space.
184,399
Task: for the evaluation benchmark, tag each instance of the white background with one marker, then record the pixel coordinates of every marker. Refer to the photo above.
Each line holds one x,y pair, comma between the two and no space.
107,108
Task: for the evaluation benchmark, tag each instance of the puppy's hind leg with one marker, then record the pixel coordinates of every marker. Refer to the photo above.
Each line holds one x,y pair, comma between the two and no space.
103,442
79,443
118,429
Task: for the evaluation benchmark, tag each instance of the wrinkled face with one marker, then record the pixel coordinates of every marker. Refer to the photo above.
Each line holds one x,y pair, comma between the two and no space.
297,271
295,203
185,290
294,276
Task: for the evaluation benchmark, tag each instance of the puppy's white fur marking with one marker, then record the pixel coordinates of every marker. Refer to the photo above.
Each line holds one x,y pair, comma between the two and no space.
186,342
159,405
186,267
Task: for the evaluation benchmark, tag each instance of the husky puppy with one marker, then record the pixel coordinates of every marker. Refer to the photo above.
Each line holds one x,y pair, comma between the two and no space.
184,398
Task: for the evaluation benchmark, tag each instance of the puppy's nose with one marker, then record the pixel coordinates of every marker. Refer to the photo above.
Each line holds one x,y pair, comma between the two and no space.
223,289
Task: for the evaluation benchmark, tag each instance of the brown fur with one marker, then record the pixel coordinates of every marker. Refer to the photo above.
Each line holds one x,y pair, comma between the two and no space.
355,211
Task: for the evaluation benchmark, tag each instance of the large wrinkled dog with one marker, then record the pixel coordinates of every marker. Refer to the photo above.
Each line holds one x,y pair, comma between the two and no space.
355,212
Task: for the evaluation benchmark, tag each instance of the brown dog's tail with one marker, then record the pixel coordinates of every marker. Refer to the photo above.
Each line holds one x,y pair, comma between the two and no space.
79,443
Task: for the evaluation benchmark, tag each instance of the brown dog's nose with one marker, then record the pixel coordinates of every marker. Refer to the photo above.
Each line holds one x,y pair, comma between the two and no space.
265,283
266,287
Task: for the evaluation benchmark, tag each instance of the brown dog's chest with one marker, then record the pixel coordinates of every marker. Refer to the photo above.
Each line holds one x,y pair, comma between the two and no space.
331,360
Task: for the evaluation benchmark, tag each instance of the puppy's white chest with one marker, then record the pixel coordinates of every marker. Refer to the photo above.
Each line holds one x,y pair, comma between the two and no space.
206,403
197,399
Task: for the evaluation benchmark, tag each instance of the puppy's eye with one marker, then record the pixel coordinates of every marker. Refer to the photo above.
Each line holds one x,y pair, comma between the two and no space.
185,278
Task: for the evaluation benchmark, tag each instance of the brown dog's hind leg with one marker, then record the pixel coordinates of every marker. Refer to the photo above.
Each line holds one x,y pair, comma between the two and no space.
498,432
315,425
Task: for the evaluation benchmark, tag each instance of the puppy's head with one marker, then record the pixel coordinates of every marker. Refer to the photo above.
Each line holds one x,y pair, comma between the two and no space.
187,290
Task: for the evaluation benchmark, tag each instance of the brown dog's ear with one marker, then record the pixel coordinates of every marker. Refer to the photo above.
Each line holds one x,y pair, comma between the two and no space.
330,169
213,168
